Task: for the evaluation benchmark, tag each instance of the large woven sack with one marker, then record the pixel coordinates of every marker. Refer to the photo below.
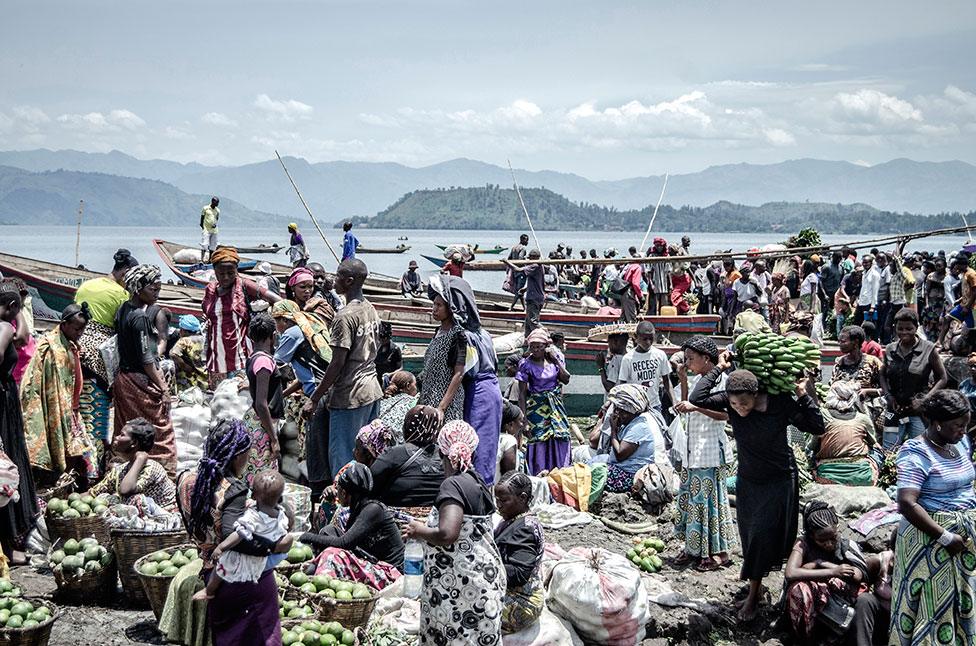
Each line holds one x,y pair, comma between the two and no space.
229,401
550,630
601,595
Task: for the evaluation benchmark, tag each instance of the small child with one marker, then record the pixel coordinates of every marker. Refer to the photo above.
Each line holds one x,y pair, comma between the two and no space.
268,518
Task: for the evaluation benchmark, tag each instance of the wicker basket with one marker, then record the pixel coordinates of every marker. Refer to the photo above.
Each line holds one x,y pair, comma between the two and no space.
157,587
78,528
35,635
351,614
89,588
62,488
131,545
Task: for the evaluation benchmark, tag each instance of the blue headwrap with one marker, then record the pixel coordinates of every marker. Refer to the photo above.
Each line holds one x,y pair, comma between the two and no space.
189,323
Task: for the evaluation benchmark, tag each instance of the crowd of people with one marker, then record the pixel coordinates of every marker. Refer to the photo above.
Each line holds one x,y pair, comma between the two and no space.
392,457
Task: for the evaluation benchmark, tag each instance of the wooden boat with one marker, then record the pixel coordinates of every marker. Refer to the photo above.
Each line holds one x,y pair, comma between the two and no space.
400,248
56,284
497,249
261,248
473,265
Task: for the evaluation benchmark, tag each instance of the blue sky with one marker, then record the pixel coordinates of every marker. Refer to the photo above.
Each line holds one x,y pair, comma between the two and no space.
603,89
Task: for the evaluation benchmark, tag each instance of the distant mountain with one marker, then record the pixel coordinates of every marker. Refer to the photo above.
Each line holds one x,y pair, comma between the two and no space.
338,190
493,207
52,198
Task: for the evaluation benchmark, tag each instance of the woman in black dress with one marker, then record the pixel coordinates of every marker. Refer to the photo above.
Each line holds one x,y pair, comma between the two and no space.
767,490
16,518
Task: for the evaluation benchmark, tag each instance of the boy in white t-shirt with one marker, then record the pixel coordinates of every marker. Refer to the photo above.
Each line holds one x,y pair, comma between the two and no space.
647,366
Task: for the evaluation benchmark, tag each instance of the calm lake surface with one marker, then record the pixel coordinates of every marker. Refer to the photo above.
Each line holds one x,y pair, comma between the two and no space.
57,244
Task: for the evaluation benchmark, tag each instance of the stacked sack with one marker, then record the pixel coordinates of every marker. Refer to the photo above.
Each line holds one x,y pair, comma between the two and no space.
191,425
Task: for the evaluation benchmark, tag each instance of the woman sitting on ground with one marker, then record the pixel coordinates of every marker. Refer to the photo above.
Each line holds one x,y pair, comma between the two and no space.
463,582
49,397
854,365
410,474
137,474
371,534
933,580
821,566
841,453
521,544
635,437
398,398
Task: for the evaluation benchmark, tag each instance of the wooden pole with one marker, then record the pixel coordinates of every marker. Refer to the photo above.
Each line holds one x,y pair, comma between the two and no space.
524,210
307,210
81,209
643,244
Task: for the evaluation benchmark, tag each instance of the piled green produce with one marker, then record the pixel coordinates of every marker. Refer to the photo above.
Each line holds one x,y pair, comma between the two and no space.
19,613
777,361
644,554
8,589
163,563
78,506
74,558
299,553
295,609
329,587
317,633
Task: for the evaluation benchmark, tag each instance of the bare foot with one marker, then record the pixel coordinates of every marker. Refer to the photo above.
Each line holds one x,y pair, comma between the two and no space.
748,612
202,596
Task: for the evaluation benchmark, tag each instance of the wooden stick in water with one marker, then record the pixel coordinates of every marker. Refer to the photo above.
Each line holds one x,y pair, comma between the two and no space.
307,210
650,224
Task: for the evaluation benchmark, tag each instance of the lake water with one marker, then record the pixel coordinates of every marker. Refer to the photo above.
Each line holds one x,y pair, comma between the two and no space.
57,244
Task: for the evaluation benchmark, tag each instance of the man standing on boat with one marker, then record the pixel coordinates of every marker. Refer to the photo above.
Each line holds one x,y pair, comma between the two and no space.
515,281
535,288
297,251
349,243
208,226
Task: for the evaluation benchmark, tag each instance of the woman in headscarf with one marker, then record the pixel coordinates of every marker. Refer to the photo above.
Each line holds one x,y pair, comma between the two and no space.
779,303
135,474
140,389
841,453
104,296
635,437
444,360
303,342
464,583
398,398
301,288
369,549
49,396
934,581
17,517
705,519
767,485
410,474
822,567
540,378
226,306
212,499
482,394
521,544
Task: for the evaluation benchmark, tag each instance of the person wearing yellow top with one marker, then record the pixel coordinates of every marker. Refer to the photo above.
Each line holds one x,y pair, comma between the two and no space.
208,223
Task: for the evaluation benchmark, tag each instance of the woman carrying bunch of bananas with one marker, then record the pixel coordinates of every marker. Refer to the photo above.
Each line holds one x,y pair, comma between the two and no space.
760,408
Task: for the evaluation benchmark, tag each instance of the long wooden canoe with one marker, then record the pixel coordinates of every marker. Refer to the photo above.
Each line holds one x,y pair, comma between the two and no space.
497,249
401,248
261,248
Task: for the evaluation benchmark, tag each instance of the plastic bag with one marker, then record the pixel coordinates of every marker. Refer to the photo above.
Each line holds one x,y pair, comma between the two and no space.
109,351
679,441
601,595
548,631
229,401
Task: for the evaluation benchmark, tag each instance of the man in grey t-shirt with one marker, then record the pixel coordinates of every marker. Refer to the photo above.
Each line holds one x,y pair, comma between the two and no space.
535,290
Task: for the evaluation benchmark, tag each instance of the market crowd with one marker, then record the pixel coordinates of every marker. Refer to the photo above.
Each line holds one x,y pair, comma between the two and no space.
391,457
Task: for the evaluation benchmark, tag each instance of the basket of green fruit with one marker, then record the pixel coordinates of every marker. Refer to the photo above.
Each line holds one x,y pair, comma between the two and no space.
347,602
156,572
132,544
645,554
298,556
78,516
83,570
310,631
26,622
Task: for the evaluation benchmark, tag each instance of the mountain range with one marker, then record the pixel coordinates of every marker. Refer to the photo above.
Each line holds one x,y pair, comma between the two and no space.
51,197
339,190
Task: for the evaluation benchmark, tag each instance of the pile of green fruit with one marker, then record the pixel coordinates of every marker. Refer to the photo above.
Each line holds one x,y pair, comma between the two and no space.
74,558
328,587
299,553
778,362
8,589
822,390
295,609
163,563
19,613
78,506
317,633
644,554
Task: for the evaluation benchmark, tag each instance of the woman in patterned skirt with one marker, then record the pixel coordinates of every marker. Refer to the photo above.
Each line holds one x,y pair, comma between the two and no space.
705,522
440,381
464,578
540,378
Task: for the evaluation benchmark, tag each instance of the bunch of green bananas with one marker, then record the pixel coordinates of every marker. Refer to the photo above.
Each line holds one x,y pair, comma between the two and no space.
778,362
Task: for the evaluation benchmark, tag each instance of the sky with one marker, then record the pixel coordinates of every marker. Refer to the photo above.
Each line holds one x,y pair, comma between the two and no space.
603,89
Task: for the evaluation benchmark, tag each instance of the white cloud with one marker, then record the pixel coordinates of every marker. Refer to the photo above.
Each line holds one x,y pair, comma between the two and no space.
285,110
91,121
218,119
115,120
31,115
126,119
177,133
820,67
779,137
875,109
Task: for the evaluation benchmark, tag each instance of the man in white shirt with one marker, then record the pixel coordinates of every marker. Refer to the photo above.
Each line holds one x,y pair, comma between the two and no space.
867,300
647,366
